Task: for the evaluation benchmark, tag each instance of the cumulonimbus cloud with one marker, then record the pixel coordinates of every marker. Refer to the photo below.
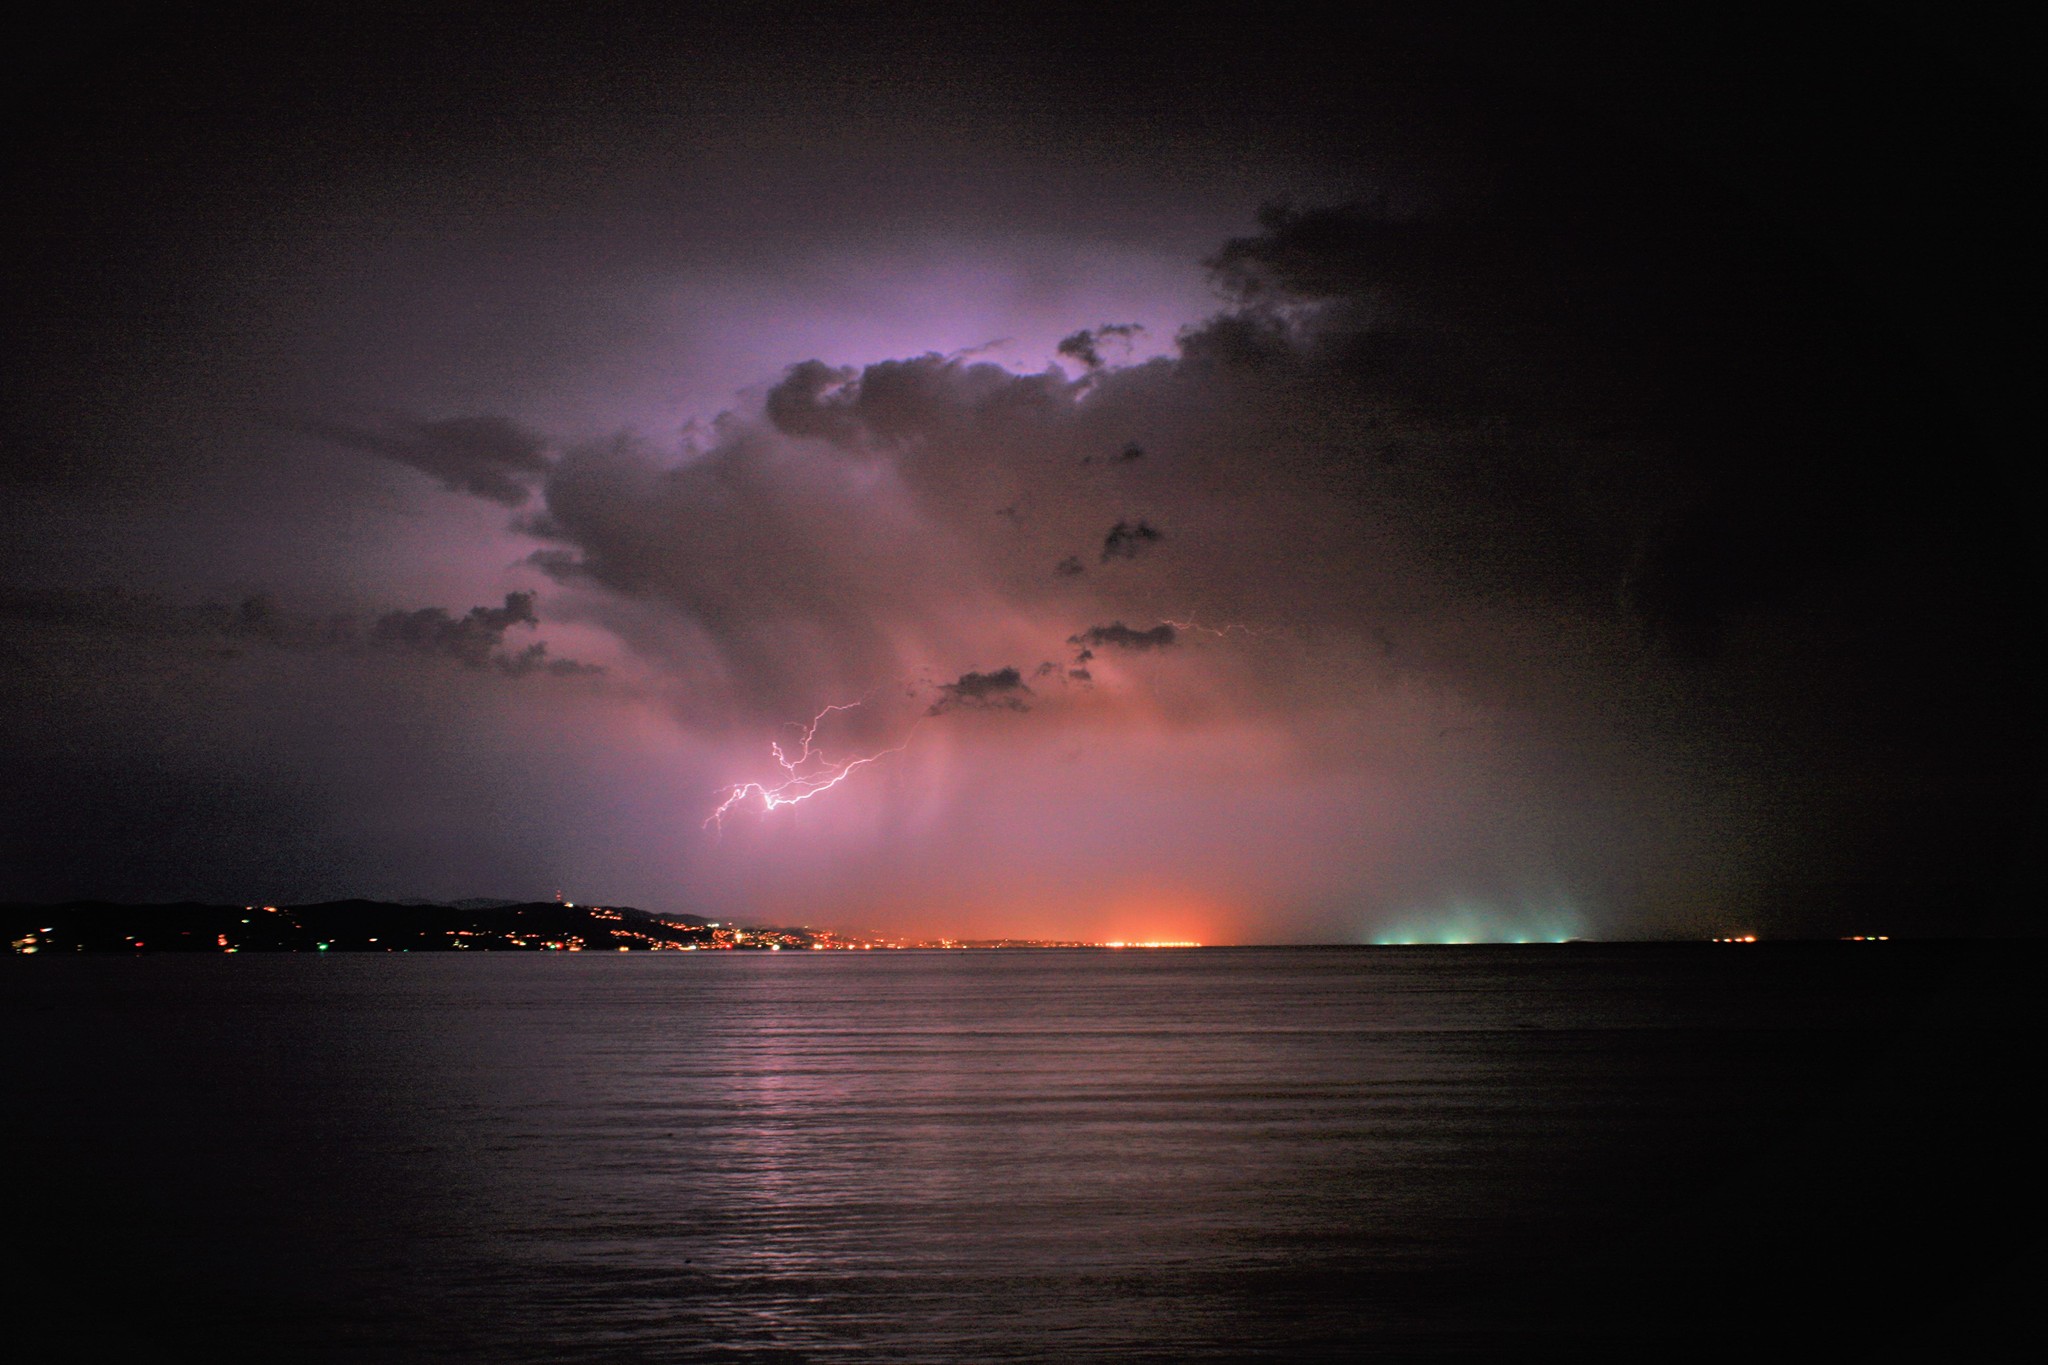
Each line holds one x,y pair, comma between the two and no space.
1403,425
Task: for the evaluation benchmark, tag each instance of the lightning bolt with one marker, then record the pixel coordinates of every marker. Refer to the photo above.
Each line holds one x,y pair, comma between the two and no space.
1196,627
807,773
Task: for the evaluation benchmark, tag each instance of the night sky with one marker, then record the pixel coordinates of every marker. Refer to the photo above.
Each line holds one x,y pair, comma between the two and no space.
1453,474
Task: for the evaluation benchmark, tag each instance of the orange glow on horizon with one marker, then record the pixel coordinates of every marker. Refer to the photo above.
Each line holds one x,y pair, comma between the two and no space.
1154,919
1169,919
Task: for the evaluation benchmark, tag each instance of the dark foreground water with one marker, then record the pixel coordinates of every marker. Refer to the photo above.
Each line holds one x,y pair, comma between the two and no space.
1432,1153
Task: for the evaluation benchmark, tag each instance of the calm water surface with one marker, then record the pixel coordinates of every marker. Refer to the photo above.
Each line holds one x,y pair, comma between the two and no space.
1224,1154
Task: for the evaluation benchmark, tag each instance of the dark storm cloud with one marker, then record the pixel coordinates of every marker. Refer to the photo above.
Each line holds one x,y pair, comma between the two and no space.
1129,539
476,639
54,620
1582,383
1085,345
489,457
1117,635
472,639
1446,381
1004,689
534,659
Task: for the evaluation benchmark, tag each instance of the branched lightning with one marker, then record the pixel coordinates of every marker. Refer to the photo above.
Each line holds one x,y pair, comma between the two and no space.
806,773
807,770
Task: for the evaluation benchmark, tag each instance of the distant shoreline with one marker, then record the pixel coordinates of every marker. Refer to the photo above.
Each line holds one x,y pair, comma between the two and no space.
364,926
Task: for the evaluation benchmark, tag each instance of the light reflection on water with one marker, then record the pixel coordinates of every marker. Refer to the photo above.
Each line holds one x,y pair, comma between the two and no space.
904,1156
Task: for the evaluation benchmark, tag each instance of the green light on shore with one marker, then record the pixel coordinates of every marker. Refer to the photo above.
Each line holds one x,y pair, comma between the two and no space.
1469,921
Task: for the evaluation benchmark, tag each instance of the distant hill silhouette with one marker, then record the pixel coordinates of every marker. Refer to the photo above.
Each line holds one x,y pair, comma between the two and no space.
368,926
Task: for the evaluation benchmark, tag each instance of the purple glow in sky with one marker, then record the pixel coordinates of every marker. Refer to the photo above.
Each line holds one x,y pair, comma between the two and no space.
476,454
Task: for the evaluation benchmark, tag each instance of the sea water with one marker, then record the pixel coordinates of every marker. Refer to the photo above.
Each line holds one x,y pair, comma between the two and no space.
1218,1154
